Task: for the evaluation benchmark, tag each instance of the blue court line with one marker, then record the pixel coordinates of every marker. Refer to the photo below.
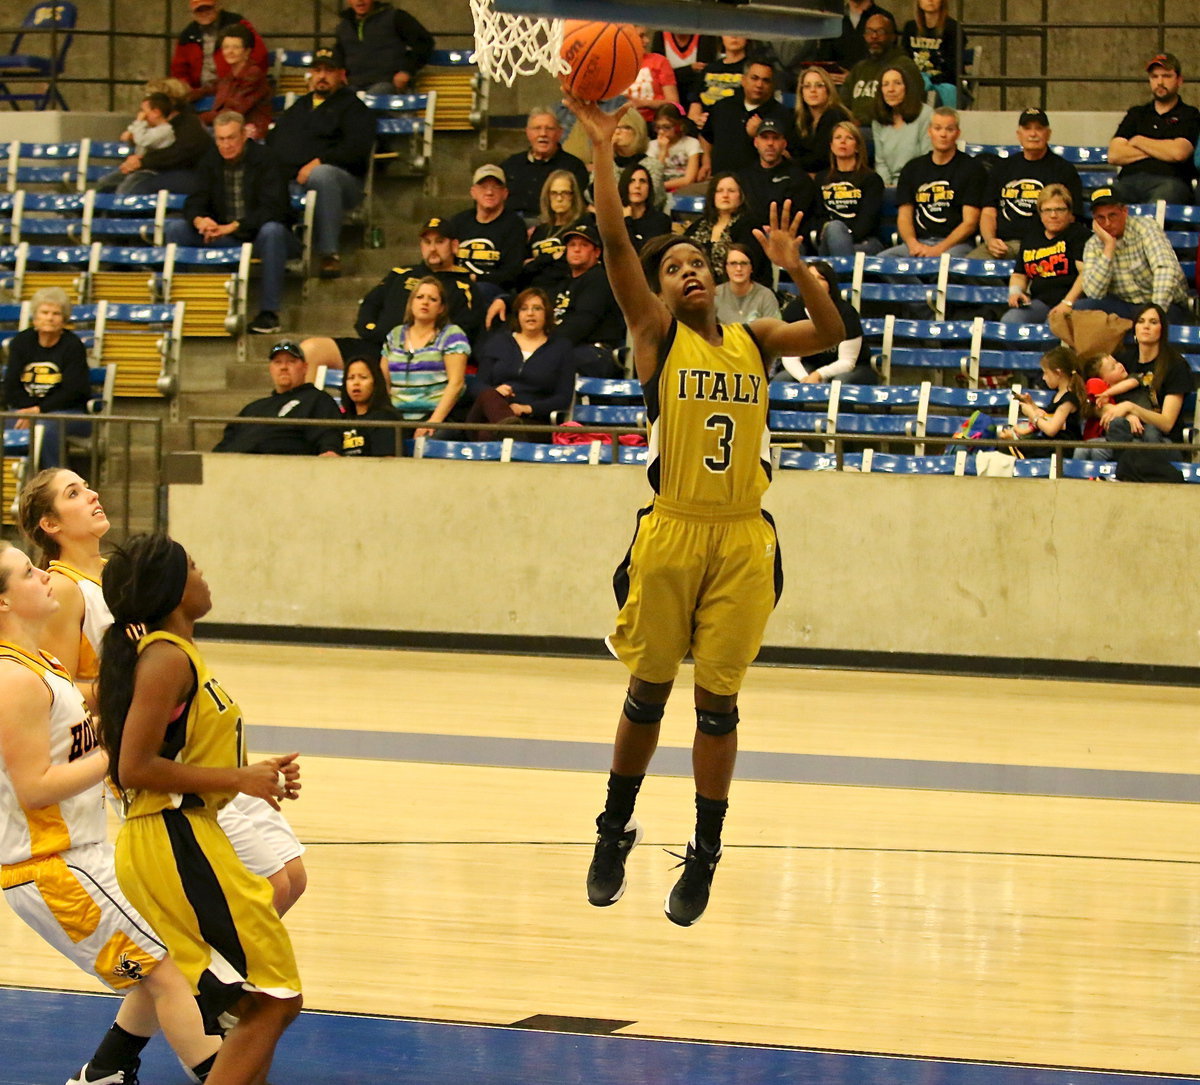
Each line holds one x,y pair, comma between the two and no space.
533,753
49,1034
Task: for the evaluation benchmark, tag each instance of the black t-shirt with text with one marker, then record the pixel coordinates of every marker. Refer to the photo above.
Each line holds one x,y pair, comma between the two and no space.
1015,184
938,193
1050,262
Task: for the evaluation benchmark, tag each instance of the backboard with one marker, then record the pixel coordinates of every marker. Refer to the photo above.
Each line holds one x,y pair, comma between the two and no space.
751,19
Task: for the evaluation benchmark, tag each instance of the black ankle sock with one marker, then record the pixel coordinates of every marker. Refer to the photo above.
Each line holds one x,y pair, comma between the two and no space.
622,794
119,1050
710,818
203,1069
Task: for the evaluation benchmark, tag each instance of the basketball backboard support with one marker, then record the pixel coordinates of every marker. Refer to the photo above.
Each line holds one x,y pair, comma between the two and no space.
752,19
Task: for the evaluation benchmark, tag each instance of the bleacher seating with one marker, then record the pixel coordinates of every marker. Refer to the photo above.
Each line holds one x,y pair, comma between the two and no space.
214,283
462,94
398,115
39,266
142,342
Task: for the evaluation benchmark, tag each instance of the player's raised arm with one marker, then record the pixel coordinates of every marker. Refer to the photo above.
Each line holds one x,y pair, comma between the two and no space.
644,311
823,328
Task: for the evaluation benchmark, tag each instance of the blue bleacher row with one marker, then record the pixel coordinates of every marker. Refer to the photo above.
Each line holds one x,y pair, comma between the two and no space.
961,463
867,410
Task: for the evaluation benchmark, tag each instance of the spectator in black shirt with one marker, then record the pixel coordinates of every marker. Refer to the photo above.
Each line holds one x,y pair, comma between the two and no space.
47,371
850,46
526,172
1010,208
851,196
1155,142
294,397
324,142
940,195
1048,259
772,179
727,138
636,189
585,310
849,361
242,197
365,398
491,238
381,46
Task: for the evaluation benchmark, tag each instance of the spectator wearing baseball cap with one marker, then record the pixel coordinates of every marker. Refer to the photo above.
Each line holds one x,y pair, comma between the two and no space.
1128,263
381,46
293,396
585,309
385,304
197,61
772,178
1010,204
491,238
1155,143
324,144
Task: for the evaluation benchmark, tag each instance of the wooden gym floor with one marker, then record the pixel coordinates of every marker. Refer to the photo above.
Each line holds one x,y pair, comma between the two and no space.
959,871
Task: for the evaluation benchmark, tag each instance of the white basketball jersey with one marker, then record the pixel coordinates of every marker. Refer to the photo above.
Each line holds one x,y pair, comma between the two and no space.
29,834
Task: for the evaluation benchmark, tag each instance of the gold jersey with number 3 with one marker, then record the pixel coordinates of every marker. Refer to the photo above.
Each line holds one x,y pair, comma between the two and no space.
707,411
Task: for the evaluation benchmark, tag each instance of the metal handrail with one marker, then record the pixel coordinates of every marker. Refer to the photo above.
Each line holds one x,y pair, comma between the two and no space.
105,450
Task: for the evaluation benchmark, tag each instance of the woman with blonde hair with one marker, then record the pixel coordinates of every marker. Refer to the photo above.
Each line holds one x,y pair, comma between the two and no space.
561,205
852,195
426,357
631,147
818,109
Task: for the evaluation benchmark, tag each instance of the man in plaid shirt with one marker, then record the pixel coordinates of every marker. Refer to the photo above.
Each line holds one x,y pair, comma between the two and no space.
1127,263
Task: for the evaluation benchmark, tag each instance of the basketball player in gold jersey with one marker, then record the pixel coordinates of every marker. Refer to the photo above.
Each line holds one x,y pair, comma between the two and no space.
703,572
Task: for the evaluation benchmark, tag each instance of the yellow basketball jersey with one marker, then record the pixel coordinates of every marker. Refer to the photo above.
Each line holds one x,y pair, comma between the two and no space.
37,834
207,731
96,619
707,411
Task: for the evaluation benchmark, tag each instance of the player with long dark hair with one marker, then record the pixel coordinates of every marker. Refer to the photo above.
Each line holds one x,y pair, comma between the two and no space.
176,752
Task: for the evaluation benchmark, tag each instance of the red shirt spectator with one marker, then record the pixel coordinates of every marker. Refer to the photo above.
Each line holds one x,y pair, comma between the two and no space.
197,59
655,82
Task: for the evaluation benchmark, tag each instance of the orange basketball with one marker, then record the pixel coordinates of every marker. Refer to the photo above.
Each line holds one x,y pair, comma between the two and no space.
604,58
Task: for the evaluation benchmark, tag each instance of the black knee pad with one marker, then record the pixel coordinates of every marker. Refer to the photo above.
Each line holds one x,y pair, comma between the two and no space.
642,711
716,723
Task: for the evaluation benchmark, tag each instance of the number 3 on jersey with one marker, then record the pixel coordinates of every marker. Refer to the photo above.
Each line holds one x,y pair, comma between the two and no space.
722,424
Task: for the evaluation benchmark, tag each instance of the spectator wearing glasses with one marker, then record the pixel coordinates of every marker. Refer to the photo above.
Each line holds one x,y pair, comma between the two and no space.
740,299
1010,207
1048,259
562,205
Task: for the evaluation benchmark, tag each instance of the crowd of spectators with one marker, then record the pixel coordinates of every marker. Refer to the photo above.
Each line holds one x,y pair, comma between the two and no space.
510,301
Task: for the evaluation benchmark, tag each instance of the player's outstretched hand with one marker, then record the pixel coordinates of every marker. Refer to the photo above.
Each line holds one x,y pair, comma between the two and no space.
779,240
599,125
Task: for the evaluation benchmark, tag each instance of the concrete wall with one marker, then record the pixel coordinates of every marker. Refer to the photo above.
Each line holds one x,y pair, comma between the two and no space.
975,567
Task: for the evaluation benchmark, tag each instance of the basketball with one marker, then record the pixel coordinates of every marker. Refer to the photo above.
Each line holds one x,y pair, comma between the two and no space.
604,58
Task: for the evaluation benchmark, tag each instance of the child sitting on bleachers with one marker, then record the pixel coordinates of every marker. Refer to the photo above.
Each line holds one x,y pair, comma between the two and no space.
1062,374
148,131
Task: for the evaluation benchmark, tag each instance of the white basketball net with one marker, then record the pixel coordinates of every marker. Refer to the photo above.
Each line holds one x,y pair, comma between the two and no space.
507,46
